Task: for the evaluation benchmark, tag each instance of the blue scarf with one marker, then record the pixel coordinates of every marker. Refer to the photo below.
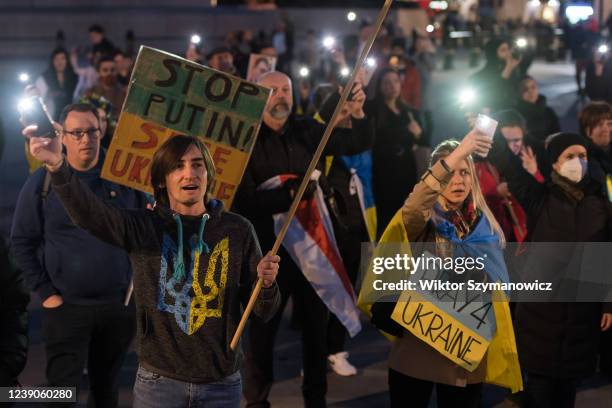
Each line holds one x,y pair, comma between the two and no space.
480,241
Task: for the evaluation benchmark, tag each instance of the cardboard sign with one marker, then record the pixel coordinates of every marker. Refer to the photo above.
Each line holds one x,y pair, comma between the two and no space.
457,323
448,335
168,96
260,64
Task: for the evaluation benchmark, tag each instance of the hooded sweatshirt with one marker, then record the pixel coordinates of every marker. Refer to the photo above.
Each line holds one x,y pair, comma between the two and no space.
191,275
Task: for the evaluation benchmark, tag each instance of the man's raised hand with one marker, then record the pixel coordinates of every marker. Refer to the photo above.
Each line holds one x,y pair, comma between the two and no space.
45,149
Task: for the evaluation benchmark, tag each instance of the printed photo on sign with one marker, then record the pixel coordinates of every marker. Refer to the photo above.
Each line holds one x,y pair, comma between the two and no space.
260,64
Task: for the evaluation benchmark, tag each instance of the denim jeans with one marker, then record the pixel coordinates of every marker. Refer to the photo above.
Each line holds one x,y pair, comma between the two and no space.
152,390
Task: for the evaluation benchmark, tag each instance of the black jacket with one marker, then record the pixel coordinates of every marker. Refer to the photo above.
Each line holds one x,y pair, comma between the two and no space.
59,258
492,90
542,121
505,161
560,339
347,202
394,171
186,316
13,319
599,88
600,163
289,152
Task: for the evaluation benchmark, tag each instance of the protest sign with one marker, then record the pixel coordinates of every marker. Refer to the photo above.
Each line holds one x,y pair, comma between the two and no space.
260,64
457,322
169,95
440,330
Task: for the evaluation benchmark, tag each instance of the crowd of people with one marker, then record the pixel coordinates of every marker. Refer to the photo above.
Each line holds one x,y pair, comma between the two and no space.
78,240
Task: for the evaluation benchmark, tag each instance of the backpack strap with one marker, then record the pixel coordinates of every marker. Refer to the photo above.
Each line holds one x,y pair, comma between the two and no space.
45,187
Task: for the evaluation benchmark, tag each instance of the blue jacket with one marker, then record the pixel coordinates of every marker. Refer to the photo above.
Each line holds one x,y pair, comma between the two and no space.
57,257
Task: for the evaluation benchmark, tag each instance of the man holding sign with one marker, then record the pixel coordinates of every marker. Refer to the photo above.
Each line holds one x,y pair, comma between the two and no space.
194,264
312,271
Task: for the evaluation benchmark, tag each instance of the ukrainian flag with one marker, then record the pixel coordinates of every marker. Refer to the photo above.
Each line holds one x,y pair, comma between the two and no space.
360,166
503,367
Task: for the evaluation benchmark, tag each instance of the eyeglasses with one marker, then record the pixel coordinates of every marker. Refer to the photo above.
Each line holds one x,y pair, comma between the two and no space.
78,134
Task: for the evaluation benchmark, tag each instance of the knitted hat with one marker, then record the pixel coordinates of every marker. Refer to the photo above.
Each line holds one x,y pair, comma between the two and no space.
558,142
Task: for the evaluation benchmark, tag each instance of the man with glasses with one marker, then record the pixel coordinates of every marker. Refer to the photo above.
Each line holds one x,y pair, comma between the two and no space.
81,280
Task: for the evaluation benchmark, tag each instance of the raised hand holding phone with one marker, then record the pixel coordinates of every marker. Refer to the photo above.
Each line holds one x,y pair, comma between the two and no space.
486,126
33,112
475,142
47,150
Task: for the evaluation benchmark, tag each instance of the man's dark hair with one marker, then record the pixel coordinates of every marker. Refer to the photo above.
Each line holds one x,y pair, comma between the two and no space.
167,158
592,114
524,81
96,28
78,107
264,45
511,118
104,58
217,50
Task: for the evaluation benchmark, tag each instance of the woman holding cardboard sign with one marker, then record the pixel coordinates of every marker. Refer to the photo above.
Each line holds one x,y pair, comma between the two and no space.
447,207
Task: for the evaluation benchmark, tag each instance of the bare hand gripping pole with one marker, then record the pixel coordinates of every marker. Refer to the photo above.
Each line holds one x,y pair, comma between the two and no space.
298,196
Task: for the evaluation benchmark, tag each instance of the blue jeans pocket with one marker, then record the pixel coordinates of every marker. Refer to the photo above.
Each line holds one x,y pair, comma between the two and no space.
146,376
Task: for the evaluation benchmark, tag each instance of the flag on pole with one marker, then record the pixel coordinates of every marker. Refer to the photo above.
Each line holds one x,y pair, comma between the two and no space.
311,243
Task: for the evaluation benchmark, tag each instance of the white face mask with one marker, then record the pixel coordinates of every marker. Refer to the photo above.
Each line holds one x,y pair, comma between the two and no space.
574,169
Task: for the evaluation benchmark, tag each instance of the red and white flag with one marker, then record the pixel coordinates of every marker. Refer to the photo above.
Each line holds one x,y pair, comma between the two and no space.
312,245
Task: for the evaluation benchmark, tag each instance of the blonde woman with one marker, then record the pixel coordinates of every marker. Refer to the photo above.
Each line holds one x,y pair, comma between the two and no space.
446,205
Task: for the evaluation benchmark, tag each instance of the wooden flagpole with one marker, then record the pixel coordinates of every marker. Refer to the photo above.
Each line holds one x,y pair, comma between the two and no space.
313,163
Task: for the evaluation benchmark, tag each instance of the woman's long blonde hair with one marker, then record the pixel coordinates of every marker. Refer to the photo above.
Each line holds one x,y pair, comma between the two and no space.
444,149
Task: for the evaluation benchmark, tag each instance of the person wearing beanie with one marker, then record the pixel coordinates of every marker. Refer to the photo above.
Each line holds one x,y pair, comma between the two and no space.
558,341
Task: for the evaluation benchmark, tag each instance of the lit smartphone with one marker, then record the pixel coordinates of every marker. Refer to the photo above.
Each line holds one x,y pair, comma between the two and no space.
34,112
486,125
